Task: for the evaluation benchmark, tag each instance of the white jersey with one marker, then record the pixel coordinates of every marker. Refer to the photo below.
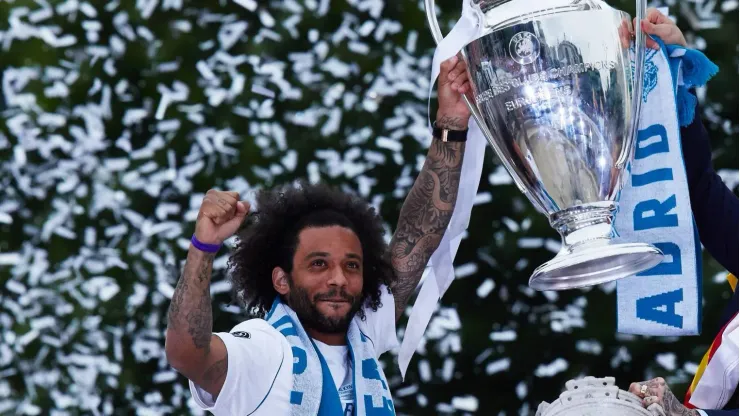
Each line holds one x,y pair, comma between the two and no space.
259,377
340,365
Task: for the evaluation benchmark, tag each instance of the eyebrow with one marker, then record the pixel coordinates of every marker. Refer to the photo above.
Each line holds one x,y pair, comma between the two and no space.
325,254
316,254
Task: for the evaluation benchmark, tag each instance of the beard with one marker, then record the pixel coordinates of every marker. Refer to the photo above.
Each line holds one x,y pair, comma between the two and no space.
309,314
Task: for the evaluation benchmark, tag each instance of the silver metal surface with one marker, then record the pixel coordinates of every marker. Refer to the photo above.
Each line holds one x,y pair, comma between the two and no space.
553,85
555,94
592,396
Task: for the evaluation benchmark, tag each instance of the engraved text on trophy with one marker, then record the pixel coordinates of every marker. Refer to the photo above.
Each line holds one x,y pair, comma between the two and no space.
501,82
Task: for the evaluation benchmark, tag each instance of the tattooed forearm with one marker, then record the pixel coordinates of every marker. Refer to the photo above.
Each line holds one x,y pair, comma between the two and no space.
425,215
200,321
189,319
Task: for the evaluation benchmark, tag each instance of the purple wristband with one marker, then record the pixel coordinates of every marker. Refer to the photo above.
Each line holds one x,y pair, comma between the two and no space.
208,248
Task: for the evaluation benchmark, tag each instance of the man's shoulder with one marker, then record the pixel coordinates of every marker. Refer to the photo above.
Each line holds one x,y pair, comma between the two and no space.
256,327
256,338
259,375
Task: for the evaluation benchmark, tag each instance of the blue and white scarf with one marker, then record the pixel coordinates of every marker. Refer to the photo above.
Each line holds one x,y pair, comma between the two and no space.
314,391
654,205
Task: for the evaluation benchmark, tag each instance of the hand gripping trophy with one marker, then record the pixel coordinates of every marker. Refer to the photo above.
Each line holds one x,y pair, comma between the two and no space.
554,94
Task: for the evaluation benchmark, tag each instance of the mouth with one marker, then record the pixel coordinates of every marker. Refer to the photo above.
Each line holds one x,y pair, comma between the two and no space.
335,300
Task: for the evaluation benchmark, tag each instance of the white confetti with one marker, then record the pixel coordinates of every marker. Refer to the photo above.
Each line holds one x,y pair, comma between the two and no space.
549,370
120,116
465,403
498,366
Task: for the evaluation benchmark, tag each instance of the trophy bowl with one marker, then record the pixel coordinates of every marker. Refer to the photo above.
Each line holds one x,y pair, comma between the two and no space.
553,92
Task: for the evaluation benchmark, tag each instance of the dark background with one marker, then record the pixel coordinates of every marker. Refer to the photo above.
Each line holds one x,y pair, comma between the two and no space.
98,196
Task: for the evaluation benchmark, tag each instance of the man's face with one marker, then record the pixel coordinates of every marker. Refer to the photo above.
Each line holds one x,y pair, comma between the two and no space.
326,281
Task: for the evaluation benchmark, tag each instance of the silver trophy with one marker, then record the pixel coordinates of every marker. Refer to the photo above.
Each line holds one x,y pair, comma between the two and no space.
592,396
553,92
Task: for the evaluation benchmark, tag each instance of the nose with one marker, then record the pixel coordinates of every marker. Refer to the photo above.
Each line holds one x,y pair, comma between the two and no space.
337,277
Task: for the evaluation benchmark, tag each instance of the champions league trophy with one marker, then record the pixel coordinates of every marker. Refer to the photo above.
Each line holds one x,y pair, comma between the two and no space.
596,397
555,97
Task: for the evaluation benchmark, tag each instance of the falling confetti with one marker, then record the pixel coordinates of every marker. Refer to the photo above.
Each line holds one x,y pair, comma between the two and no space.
119,116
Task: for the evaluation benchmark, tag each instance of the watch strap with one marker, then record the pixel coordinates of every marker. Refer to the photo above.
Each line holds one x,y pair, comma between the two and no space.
447,135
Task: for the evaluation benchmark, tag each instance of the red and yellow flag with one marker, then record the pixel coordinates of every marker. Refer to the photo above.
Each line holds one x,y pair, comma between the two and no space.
732,280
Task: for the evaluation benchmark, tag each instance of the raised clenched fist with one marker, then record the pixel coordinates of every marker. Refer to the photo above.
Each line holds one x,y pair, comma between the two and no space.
221,213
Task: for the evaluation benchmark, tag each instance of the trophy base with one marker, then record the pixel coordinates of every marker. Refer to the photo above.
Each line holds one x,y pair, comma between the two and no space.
593,264
589,255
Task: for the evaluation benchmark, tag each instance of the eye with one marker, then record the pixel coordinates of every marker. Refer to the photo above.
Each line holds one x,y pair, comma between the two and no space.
353,265
318,263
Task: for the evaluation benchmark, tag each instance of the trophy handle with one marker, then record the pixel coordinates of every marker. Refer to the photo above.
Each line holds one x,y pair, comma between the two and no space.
637,85
430,9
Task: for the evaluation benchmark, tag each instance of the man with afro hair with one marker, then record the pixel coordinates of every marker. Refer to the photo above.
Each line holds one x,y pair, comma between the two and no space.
313,268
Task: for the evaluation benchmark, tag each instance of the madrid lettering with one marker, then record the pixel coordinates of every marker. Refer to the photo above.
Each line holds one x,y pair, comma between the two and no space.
657,212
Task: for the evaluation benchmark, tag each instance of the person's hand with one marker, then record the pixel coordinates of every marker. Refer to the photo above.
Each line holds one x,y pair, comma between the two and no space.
221,213
625,34
656,391
453,113
658,24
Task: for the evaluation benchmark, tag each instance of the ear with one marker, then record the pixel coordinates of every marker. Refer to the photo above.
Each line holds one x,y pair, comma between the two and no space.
280,281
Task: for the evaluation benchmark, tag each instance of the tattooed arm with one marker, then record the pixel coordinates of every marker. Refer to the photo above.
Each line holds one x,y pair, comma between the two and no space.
424,217
190,346
428,207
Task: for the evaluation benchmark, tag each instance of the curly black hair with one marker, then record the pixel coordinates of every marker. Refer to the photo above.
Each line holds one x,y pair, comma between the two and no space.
269,237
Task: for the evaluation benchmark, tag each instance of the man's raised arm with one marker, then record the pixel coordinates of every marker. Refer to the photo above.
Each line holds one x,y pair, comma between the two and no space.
190,346
428,208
